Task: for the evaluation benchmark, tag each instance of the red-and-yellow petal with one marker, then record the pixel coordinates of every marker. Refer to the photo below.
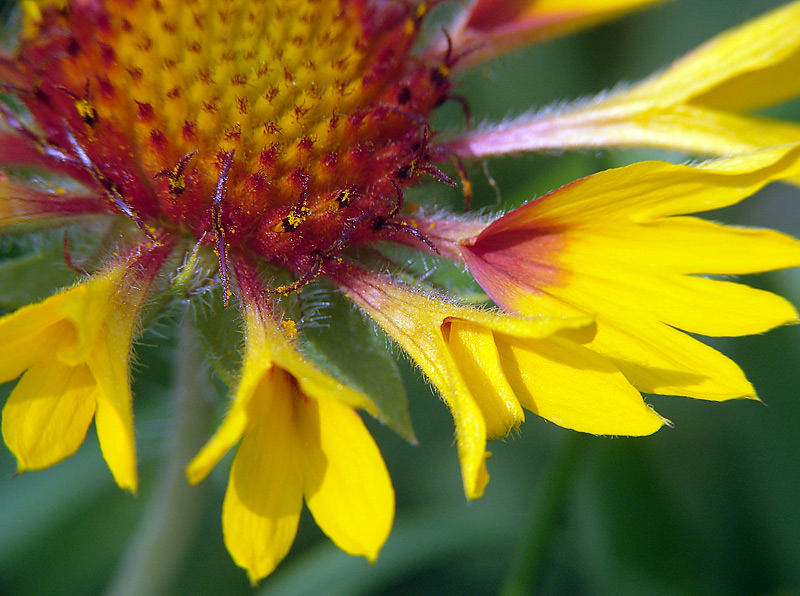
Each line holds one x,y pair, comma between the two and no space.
489,28
610,246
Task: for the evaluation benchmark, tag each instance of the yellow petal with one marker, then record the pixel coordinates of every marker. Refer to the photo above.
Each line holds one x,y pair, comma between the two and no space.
647,191
470,430
89,306
81,338
277,414
475,353
28,334
346,484
227,435
256,379
265,495
627,282
114,416
47,414
315,383
574,387
492,27
414,322
267,342
748,67
659,359
267,348
693,245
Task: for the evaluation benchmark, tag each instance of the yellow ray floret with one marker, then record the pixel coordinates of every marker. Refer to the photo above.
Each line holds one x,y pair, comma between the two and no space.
695,105
300,436
614,245
488,366
72,352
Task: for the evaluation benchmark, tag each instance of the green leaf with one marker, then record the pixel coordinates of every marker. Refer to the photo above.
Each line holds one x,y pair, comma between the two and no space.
32,277
221,333
354,351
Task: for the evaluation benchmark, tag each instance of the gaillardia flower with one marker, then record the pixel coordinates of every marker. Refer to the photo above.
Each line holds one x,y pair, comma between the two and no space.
251,150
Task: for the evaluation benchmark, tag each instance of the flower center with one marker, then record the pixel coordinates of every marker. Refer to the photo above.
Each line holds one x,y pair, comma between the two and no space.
283,128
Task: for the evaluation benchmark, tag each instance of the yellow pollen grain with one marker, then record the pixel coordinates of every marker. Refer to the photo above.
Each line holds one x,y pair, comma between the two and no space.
295,218
86,110
177,184
289,328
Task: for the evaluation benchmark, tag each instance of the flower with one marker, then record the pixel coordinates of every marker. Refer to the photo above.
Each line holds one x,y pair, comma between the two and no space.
270,144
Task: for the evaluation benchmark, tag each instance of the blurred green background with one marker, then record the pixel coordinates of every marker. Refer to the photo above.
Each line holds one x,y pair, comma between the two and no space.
711,507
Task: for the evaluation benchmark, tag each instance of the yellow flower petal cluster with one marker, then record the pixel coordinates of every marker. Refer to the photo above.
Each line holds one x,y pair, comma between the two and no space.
487,366
299,436
71,351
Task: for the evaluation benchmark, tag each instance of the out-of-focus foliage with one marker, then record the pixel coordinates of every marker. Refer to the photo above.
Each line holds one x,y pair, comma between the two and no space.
710,507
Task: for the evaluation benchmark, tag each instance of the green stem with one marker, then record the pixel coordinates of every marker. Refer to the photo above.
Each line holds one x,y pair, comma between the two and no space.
156,552
526,572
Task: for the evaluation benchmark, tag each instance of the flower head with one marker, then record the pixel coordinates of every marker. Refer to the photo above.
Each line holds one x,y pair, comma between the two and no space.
270,144
289,144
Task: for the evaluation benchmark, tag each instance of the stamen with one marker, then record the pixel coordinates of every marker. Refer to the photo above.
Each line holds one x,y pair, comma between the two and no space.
465,109
108,185
219,231
466,184
175,178
299,284
402,226
300,210
83,106
436,173
68,261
